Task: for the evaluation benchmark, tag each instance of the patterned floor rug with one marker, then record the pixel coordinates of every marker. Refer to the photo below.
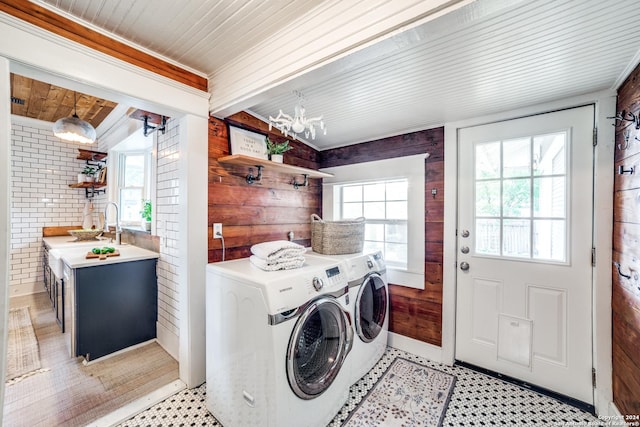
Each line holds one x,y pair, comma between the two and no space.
408,394
23,358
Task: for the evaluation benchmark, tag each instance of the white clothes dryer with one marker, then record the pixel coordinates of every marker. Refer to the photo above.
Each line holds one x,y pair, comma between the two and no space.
277,343
369,306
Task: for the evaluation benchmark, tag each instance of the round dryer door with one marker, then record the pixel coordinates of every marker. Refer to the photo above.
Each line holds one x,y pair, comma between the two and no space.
371,308
319,343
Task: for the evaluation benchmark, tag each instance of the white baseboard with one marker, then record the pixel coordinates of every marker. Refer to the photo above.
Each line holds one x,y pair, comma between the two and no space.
413,346
132,409
168,340
25,289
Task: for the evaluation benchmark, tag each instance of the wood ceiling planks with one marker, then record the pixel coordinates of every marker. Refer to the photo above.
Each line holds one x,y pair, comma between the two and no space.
44,101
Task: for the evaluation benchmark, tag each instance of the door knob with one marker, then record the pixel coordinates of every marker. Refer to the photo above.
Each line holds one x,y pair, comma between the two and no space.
465,233
464,266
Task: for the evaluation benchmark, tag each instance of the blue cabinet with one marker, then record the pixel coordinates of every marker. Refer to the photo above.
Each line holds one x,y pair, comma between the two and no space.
116,306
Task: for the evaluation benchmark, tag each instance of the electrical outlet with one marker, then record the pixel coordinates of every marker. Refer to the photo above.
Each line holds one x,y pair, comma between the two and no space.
217,230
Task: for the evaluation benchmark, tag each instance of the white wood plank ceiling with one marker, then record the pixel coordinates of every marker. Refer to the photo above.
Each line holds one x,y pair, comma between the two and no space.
486,57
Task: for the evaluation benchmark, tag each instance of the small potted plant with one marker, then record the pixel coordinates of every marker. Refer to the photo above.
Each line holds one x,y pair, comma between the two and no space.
277,149
145,213
89,174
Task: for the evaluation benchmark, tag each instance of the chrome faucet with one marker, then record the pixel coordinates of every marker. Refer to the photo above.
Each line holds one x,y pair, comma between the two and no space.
106,222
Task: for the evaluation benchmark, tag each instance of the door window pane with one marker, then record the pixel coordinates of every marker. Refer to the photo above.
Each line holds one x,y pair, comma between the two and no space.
488,200
521,198
549,154
516,198
488,236
549,240
488,160
515,238
549,197
516,158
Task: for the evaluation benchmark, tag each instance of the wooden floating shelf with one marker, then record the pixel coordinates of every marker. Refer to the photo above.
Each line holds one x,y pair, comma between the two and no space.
95,156
242,160
87,184
91,189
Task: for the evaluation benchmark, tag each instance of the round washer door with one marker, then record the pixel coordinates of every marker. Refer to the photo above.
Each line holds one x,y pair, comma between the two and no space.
319,343
371,307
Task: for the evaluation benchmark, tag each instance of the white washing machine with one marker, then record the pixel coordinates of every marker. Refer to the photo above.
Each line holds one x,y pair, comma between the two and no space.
277,343
369,306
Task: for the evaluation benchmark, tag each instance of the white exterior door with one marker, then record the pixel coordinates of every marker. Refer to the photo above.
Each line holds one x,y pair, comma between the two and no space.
524,249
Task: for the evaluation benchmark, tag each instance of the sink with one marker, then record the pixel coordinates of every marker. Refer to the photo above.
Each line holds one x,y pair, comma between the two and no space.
55,262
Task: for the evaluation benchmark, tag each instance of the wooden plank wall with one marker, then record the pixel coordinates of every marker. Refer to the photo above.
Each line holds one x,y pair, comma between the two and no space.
414,313
263,211
626,253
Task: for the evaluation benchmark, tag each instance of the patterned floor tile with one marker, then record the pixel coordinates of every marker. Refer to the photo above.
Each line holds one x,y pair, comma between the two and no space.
477,400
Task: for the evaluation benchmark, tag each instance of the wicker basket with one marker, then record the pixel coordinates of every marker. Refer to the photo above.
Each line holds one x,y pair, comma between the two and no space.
337,237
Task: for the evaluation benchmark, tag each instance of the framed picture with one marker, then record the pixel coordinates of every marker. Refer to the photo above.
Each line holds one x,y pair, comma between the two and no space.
249,143
102,176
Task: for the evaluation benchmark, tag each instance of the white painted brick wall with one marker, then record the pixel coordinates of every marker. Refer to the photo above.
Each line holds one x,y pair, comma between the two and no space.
167,200
42,167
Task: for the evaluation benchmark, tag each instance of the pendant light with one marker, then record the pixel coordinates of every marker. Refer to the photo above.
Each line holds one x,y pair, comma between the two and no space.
73,128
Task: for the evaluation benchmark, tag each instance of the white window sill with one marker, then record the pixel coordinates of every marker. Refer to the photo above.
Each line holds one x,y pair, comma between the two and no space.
405,278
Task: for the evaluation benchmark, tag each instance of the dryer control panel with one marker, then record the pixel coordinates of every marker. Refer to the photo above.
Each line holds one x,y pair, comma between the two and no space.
304,284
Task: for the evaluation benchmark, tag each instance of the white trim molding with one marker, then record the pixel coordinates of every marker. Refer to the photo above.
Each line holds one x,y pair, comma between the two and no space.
417,347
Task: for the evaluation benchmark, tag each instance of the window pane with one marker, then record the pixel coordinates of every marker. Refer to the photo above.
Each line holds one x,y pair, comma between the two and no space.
351,210
374,232
488,198
516,196
516,158
488,236
130,204
352,193
397,210
374,210
515,238
488,160
549,197
395,254
549,240
397,190
396,233
373,246
549,154
374,192
134,170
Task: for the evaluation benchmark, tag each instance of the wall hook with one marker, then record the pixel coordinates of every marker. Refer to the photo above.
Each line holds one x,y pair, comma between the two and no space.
297,184
622,170
434,191
626,276
251,178
627,135
622,117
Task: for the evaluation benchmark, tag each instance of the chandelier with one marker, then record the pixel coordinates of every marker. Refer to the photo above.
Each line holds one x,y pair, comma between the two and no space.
298,123
73,128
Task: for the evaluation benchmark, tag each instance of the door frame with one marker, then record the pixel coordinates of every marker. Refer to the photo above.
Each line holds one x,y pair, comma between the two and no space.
605,105
50,56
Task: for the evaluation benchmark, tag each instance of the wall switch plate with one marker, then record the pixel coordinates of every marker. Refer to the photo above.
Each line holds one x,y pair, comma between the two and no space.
217,230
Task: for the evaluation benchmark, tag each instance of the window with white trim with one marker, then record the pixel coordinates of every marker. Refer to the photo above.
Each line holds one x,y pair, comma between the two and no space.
389,194
134,169
384,205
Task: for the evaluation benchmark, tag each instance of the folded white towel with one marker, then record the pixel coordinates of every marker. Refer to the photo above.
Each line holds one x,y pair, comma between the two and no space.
283,264
277,249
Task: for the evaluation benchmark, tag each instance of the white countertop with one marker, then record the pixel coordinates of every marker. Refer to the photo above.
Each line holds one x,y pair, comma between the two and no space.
74,253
